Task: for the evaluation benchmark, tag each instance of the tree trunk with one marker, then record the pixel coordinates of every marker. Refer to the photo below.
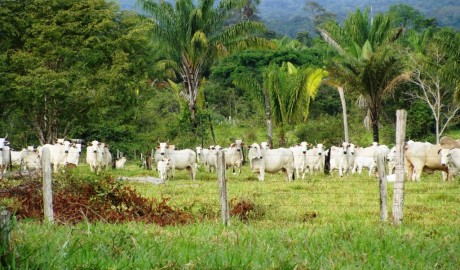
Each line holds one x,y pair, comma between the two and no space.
268,117
344,113
375,124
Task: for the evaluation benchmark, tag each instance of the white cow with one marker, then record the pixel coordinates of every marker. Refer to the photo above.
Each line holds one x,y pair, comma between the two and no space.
58,153
16,157
120,163
339,158
180,159
30,158
271,161
164,166
234,156
391,159
316,158
366,157
451,159
300,159
73,155
423,157
4,155
94,156
211,158
106,156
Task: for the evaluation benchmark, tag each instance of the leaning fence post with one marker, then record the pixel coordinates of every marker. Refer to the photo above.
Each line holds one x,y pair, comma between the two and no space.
398,200
382,186
223,187
47,191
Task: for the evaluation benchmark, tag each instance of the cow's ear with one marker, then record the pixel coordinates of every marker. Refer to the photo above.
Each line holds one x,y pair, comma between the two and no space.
439,151
233,145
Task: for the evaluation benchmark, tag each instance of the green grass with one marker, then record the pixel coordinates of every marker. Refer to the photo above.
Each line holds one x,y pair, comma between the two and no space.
322,222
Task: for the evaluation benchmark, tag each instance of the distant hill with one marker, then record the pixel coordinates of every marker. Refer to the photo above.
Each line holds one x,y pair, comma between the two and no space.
289,16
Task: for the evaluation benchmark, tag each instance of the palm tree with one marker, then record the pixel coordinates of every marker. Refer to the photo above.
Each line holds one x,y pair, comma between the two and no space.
286,91
368,62
194,36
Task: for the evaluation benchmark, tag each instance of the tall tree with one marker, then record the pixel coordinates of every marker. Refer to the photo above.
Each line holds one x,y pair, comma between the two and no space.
195,36
435,71
368,62
69,63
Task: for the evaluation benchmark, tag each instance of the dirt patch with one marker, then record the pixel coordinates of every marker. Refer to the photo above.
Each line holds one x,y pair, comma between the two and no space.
309,216
105,200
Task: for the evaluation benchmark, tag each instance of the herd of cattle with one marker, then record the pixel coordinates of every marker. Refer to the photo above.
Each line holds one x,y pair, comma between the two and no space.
300,159
295,161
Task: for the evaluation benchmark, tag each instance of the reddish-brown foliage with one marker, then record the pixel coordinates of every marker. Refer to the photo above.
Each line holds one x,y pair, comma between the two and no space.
242,209
106,200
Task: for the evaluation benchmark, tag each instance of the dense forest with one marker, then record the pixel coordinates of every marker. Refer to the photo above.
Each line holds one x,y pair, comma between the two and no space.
94,70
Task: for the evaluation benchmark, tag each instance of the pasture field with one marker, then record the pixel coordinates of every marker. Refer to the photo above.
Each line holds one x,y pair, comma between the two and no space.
322,222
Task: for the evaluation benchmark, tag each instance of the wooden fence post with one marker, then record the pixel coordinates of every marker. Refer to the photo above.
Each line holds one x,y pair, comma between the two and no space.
398,200
223,187
5,233
47,190
382,186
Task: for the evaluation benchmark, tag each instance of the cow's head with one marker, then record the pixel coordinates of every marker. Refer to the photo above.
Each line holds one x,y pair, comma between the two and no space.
392,154
198,149
255,151
303,145
93,146
163,146
444,153
351,148
66,146
344,147
239,144
320,148
265,145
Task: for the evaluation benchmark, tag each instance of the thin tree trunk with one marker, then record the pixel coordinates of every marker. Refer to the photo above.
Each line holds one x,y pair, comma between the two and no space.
268,117
212,130
375,124
344,113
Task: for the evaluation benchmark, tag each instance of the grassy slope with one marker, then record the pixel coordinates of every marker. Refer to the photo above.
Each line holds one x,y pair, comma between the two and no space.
322,222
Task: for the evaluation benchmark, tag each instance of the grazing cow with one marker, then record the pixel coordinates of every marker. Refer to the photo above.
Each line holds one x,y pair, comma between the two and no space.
423,157
451,159
234,156
271,161
164,166
94,156
4,155
339,158
300,159
316,158
120,163
180,159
